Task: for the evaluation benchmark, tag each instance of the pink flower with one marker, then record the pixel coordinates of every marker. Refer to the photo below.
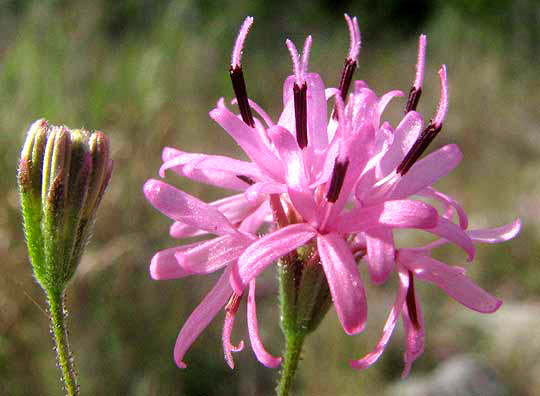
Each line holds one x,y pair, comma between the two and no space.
338,184
418,263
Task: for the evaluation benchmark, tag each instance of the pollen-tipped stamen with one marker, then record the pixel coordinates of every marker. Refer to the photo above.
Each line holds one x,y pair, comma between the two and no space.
336,182
246,179
429,133
237,75
300,90
411,303
416,89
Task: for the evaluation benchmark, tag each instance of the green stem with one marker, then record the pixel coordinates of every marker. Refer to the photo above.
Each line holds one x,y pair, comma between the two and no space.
292,357
63,352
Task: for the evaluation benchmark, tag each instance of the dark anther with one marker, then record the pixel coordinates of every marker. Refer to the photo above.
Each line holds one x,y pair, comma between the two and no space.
233,303
413,99
246,179
300,114
338,177
411,303
239,86
421,144
345,83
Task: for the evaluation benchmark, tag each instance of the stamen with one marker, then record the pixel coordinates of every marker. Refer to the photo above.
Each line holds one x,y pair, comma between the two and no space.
429,133
416,89
237,75
351,61
246,179
300,114
338,177
233,303
411,303
300,90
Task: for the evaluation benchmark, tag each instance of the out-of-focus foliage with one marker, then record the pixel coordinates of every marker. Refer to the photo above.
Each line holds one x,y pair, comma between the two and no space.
148,72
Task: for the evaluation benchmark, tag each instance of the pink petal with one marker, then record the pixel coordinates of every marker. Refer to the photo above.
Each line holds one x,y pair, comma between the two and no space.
228,347
404,137
252,223
185,208
291,155
449,202
213,163
389,326
386,98
256,344
496,235
181,230
381,253
253,193
414,333
201,317
451,280
209,256
249,140
317,118
452,232
164,265
213,177
266,250
427,171
398,214
344,282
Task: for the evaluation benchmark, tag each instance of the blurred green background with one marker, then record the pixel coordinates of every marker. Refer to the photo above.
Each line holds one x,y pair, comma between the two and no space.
147,73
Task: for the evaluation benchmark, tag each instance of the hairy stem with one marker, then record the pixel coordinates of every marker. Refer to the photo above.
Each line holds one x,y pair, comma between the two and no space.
63,352
295,340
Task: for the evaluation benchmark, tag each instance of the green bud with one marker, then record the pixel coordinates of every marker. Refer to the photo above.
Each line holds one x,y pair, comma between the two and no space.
62,177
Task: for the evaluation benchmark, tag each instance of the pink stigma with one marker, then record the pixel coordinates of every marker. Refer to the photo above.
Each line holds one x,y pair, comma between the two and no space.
305,54
297,66
420,62
240,40
443,102
354,33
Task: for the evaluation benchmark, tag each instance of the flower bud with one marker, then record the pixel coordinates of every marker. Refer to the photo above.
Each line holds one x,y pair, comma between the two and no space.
62,177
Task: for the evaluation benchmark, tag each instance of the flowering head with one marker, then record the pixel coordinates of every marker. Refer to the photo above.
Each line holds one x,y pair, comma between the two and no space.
331,190
62,177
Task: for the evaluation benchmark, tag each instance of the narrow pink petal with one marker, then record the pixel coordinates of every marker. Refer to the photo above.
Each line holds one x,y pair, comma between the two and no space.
452,232
386,98
398,214
181,230
427,171
169,153
185,208
201,317
228,347
255,220
253,193
286,119
250,141
389,326
450,202
344,282
209,256
304,203
253,328
214,177
210,163
414,334
291,155
405,135
317,117
451,280
164,265
266,250
381,253
496,235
